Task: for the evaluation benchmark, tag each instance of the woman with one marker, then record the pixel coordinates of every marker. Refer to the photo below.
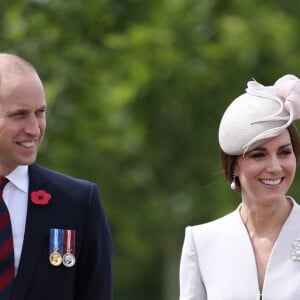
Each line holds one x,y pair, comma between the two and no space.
254,252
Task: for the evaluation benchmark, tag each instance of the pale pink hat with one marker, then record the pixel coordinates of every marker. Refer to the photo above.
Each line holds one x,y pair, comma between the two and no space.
263,112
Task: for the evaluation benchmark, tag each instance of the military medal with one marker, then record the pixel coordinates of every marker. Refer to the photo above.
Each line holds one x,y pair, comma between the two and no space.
55,248
55,258
68,258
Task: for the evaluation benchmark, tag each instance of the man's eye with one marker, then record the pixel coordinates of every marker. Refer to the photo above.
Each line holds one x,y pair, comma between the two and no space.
41,112
17,114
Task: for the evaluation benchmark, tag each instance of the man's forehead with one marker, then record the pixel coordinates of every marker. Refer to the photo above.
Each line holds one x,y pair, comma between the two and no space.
24,107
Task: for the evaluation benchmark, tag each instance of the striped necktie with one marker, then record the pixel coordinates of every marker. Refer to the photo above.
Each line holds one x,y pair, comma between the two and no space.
6,248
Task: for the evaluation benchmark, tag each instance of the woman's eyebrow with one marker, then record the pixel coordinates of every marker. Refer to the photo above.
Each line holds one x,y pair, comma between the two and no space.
264,149
284,146
260,148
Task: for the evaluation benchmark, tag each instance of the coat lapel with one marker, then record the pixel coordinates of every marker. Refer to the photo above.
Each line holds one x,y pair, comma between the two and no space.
34,235
282,270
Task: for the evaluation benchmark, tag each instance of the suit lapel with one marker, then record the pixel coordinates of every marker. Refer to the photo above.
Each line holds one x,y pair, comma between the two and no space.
34,235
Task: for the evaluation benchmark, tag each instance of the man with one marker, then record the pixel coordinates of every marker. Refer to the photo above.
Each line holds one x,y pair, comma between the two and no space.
61,241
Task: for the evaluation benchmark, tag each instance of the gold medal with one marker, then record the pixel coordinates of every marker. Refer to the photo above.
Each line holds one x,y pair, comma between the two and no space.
55,258
55,249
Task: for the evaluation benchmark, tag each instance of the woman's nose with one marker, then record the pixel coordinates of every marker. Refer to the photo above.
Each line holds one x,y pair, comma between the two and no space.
274,164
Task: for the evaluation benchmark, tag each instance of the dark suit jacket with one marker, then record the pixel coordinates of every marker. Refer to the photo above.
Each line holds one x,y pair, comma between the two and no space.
75,205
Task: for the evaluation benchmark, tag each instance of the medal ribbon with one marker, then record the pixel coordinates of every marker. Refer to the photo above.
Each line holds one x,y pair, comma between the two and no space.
69,241
56,240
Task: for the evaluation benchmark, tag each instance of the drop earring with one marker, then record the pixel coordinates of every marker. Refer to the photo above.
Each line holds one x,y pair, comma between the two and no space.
233,184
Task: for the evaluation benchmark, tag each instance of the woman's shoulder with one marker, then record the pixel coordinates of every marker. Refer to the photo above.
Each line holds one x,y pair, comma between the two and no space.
220,226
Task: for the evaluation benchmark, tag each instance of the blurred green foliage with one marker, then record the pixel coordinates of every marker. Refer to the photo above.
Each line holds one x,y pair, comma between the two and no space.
135,91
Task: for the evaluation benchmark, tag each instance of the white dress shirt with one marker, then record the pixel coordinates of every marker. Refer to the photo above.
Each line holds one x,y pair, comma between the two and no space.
15,196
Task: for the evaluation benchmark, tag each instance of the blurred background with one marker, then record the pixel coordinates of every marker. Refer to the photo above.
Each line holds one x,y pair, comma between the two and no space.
136,90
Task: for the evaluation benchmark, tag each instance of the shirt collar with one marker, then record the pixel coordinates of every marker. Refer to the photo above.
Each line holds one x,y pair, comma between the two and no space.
20,178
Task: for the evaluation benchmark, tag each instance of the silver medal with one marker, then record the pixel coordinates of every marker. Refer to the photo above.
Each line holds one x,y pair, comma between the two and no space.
68,260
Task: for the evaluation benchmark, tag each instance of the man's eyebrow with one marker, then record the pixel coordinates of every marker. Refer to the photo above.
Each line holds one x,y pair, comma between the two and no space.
23,110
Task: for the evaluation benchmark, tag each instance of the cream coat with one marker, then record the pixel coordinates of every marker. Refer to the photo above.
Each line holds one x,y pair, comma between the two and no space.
218,263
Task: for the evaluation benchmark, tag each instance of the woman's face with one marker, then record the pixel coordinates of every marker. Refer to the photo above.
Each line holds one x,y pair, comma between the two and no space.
267,172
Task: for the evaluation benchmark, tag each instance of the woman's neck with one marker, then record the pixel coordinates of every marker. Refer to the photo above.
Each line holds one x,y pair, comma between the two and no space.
265,220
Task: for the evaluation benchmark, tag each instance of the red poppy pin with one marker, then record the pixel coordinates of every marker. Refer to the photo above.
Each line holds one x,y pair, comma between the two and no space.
40,197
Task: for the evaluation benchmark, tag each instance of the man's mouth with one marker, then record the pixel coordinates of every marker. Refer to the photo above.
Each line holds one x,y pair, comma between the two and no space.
27,144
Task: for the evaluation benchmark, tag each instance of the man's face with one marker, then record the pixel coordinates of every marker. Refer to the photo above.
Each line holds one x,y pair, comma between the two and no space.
22,119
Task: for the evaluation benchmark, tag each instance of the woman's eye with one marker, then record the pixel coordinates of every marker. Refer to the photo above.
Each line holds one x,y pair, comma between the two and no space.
285,152
257,155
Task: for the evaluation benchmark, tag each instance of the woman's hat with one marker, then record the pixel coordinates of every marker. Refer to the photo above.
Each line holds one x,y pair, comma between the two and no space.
263,112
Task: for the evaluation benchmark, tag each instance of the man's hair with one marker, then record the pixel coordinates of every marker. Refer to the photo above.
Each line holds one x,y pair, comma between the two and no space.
13,63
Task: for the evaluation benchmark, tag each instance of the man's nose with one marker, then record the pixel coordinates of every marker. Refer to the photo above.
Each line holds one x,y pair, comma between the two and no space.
32,126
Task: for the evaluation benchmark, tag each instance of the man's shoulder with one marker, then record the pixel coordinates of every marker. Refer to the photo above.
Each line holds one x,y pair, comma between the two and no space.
57,177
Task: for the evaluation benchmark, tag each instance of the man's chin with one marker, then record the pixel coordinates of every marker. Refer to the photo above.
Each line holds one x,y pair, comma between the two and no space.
27,161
